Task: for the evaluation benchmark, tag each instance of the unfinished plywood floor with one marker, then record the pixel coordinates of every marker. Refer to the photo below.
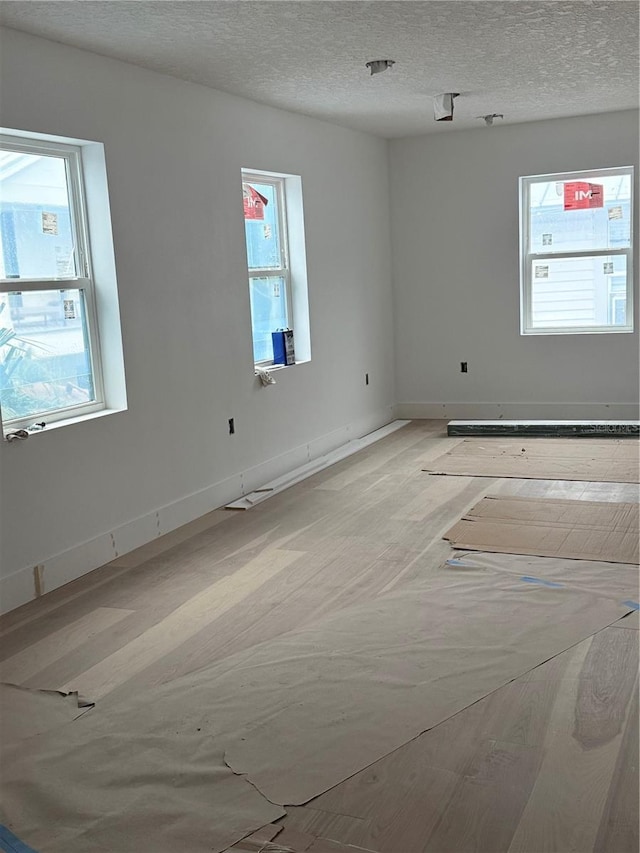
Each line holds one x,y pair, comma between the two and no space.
231,580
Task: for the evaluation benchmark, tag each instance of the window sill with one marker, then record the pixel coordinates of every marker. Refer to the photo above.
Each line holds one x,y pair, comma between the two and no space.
568,331
57,424
271,368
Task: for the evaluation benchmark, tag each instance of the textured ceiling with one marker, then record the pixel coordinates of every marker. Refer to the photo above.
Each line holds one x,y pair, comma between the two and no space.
526,60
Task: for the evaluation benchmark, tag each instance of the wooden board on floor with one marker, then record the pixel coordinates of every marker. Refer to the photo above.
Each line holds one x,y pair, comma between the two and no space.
612,460
42,654
547,527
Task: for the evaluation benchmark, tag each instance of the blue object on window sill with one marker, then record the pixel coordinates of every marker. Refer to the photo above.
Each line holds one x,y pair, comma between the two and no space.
283,351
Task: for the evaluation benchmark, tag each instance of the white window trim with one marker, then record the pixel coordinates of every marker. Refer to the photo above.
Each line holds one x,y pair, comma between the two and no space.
527,257
87,183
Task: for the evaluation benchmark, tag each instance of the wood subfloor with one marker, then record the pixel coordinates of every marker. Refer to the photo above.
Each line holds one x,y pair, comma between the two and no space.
546,764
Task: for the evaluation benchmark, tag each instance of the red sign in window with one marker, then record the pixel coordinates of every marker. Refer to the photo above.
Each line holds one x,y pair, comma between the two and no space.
580,195
254,202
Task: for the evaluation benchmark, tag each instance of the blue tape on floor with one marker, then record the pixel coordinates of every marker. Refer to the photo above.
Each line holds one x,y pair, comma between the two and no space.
632,604
542,582
11,843
454,562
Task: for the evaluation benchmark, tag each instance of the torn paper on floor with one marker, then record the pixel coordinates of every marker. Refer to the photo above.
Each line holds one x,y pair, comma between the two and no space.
25,712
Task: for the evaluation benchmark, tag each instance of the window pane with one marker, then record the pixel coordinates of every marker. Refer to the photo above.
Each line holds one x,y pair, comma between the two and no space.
35,218
268,313
45,362
559,224
263,233
578,292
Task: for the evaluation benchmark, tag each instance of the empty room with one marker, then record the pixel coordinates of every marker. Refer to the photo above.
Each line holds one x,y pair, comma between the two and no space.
319,389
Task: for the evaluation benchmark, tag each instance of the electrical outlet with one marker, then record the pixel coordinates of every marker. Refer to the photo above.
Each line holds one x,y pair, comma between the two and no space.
463,367
232,426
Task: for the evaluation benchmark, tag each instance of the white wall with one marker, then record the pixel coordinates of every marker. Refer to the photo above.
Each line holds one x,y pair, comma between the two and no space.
454,213
74,497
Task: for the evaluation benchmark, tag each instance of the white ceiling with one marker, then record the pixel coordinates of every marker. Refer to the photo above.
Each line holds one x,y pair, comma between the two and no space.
528,60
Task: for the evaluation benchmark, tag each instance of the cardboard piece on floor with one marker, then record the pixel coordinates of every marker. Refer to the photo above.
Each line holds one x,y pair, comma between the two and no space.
25,712
591,460
546,527
562,512
297,714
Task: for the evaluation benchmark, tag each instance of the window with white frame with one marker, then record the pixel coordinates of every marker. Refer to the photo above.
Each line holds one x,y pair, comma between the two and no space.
49,353
274,234
576,252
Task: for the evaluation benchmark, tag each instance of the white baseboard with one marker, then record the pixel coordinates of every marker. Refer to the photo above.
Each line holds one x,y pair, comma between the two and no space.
54,571
274,487
518,411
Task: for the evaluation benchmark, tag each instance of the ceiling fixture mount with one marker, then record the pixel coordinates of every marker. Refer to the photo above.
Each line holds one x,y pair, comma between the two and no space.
443,106
378,65
488,119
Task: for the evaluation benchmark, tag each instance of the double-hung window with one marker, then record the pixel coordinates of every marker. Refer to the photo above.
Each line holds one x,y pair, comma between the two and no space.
576,252
265,221
49,349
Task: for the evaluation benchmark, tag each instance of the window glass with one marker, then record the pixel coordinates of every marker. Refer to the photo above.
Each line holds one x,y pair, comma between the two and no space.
574,292
559,224
268,313
45,359
262,226
35,217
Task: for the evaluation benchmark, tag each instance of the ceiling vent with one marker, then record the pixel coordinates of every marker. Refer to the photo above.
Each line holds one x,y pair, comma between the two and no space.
378,65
